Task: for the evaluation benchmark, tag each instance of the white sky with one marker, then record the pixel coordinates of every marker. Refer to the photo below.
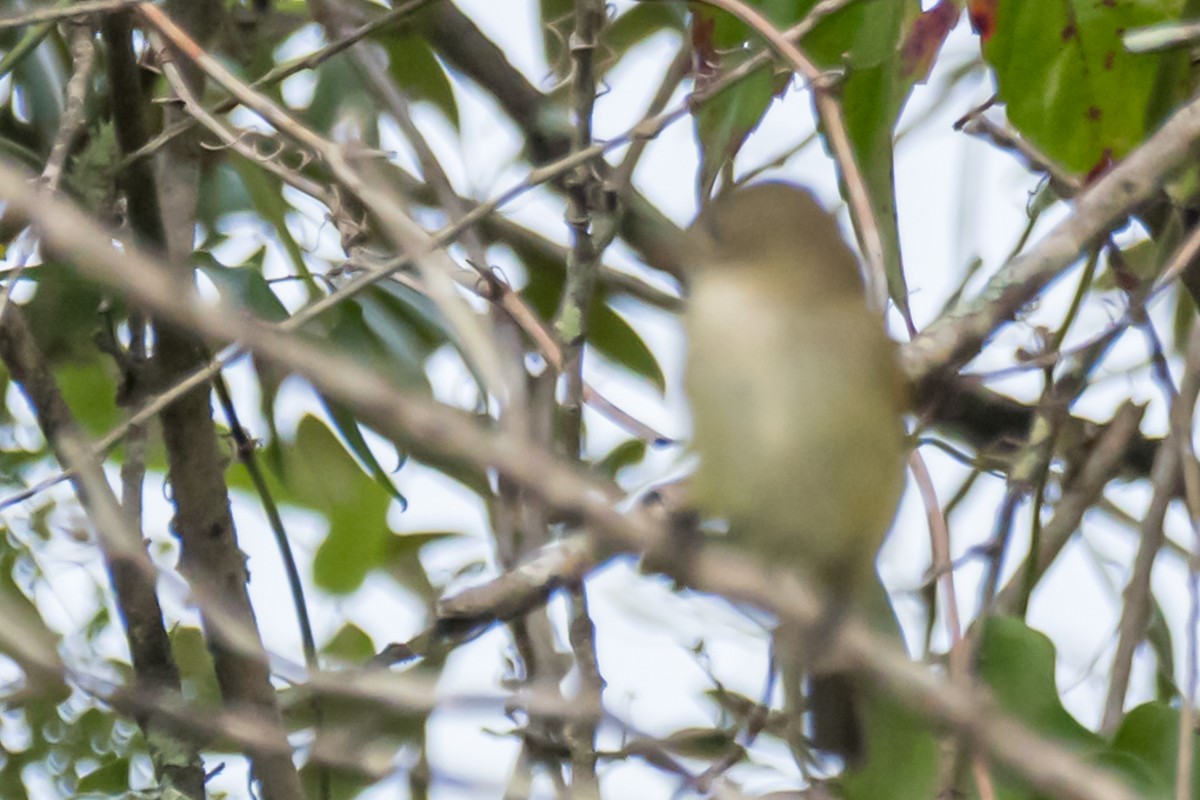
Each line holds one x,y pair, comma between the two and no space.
958,199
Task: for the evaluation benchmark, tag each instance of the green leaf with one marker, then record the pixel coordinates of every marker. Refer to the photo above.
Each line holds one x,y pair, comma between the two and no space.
1017,662
1150,733
266,193
625,454
1069,84
90,390
244,286
608,331
195,667
860,36
1141,260
396,355
380,333
415,310
403,561
64,315
902,754
223,192
727,119
355,506
351,644
703,743
719,44
1158,636
414,66
16,49
889,52
615,338
883,49
40,81
886,48
340,96
347,426
112,778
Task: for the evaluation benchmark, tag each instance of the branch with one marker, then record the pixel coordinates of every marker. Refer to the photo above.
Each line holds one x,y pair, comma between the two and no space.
545,125
210,556
64,13
427,426
177,765
951,341
838,139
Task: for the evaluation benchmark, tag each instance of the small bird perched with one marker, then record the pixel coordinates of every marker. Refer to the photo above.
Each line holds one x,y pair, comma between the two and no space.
796,398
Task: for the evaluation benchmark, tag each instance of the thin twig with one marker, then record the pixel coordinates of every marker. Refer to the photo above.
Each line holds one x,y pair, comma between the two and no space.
429,427
592,227
957,336
354,175
1182,412
837,136
679,67
177,764
1102,464
65,11
203,522
536,177
939,537
1064,184
73,120
283,71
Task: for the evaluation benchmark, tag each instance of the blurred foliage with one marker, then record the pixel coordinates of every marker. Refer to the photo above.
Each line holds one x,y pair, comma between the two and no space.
1068,83
1067,87
876,51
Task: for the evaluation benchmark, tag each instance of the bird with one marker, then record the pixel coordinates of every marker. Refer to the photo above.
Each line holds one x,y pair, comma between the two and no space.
797,404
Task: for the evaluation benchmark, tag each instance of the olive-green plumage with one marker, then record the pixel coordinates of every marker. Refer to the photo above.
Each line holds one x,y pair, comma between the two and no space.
796,398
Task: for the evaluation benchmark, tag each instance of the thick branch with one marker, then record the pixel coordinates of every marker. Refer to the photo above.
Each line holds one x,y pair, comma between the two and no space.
544,123
210,556
426,426
953,340
177,764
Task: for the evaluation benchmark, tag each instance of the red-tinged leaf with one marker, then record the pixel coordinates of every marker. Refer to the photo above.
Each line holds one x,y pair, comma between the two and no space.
1068,83
728,118
704,47
925,38
725,120
983,17
1100,168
